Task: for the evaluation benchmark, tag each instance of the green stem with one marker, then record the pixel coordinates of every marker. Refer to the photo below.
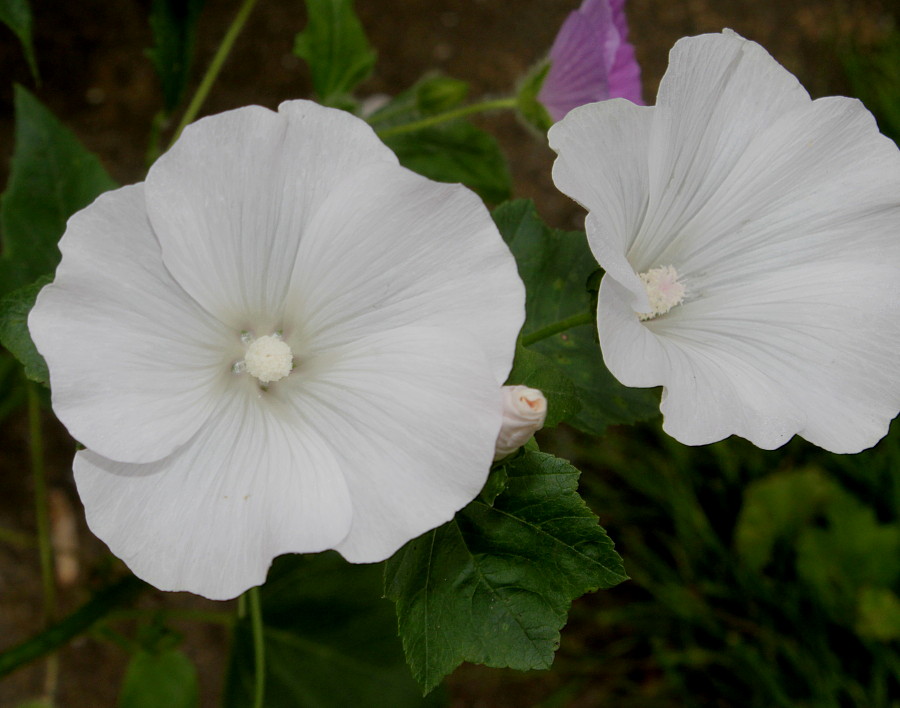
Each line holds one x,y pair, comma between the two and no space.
582,318
71,626
492,105
41,509
215,67
259,648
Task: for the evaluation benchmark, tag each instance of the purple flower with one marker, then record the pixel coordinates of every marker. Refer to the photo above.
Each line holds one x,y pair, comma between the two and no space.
591,60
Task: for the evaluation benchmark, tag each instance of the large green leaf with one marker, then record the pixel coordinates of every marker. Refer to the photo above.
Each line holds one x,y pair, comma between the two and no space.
335,46
155,679
494,585
330,640
52,176
456,152
174,25
16,14
557,268
14,335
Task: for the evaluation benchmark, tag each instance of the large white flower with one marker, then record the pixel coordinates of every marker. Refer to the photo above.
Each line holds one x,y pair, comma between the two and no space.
282,341
751,242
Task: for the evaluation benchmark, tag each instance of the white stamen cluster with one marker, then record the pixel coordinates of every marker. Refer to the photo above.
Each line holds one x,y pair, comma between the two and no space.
663,289
268,358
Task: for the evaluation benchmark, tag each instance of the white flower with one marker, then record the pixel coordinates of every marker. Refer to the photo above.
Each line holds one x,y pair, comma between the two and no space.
524,413
282,341
751,242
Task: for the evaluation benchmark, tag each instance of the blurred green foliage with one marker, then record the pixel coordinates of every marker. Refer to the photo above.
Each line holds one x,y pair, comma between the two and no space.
761,579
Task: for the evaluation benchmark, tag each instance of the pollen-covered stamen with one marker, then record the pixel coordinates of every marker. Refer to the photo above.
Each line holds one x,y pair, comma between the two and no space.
268,358
663,290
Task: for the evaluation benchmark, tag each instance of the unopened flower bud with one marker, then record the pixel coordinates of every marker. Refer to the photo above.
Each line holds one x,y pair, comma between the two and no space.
524,411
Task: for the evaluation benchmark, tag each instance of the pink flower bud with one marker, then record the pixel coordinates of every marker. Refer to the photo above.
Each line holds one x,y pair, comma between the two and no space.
524,411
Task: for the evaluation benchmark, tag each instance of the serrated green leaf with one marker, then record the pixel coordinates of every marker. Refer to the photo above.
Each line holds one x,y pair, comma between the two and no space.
167,678
14,335
494,585
51,177
330,638
16,14
334,45
531,368
174,25
456,152
557,267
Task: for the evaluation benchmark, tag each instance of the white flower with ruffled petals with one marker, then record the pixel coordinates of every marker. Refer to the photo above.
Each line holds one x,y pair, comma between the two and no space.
751,242
282,341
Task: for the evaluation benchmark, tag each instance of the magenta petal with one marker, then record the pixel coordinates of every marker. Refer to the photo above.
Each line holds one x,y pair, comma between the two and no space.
591,60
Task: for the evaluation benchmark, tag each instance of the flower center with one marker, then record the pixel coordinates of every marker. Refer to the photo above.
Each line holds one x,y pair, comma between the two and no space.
663,289
268,358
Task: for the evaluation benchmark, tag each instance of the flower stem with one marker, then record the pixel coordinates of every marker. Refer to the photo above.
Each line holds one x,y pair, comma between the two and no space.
582,318
215,67
259,648
481,107
42,517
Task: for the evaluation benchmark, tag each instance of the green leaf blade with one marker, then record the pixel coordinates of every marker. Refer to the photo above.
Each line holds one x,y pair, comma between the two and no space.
16,14
494,585
456,152
14,334
558,270
174,27
51,177
153,679
335,46
331,641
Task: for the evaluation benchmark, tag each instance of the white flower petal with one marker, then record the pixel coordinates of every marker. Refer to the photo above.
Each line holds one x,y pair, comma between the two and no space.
781,216
413,414
596,167
408,252
231,200
116,331
719,93
254,483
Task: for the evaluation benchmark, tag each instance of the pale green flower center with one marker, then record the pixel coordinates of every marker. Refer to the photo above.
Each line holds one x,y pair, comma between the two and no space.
268,358
663,289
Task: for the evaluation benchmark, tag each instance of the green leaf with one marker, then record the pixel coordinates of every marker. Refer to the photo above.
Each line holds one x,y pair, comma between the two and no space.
174,26
533,369
330,639
429,96
878,615
166,678
557,268
494,585
776,508
335,46
456,152
16,14
14,335
527,103
52,176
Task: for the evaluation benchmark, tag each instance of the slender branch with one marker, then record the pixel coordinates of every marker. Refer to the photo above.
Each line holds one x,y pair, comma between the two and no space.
71,626
259,648
582,318
492,105
214,68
